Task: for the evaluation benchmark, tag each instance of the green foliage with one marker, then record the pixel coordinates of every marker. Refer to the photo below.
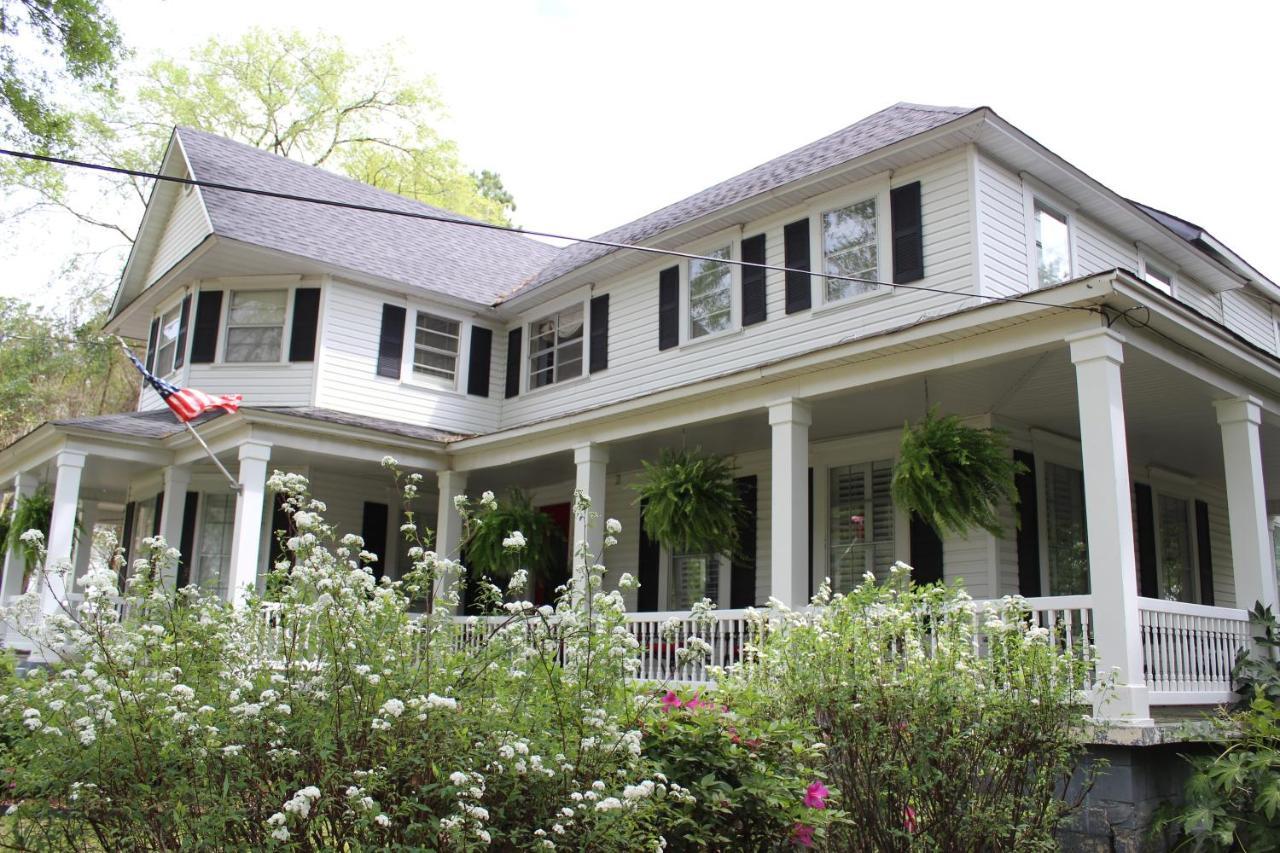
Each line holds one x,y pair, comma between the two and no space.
31,512
932,745
1233,798
953,476
494,522
79,36
692,504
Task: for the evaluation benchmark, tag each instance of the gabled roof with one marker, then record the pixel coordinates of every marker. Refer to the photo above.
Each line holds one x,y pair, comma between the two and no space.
472,264
890,125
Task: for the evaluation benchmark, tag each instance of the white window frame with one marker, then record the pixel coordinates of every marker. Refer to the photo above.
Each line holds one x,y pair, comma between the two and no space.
1163,485
732,239
1169,271
462,364
175,306
1039,205
884,244
526,343
286,334
1036,194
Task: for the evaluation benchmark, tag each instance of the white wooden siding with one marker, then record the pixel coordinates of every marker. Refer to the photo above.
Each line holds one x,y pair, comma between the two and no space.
350,326
637,366
1198,297
1003,237
1097,250
1250,317
188,224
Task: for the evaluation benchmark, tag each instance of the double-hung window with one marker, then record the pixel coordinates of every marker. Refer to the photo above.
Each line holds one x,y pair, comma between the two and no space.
1175,569
693,578
710,293
255,325
861,524
850,248
555,347
1065,532
435,347
1053,245
167,342
213,556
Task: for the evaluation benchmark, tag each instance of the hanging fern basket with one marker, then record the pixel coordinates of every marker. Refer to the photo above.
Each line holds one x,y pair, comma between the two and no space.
485,551
955,477
691,503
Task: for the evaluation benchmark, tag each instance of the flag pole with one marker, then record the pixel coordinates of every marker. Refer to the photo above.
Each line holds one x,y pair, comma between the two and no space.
232,480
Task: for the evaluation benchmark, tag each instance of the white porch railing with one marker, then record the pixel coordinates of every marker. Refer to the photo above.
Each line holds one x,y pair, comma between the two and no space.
1188,650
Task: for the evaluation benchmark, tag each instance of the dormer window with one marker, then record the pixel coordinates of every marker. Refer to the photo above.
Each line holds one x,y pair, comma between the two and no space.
849,248
255,325
555,347
710,293
435,347
1053,246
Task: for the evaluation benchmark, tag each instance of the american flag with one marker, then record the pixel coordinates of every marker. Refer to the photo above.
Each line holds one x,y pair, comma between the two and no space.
186,403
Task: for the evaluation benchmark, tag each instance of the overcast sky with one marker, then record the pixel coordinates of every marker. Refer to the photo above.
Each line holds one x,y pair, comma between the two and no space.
597,112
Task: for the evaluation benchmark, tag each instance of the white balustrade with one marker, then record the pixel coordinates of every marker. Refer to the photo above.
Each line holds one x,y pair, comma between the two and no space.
1189,649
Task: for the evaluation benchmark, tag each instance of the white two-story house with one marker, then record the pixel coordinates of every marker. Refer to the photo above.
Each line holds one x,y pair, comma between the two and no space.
1131,357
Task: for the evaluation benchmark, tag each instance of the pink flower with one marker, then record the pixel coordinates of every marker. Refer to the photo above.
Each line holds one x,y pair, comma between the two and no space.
815,796
802,835
671,701
909,820
695,703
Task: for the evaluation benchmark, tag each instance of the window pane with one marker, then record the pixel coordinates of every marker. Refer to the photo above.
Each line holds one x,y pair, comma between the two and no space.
1175,549
433,364
1160,280
849,247
710,294
555,348
257,308
1065,529
861,524
1053,247
167,342
693,578
433,323
254,343
217,525
569,324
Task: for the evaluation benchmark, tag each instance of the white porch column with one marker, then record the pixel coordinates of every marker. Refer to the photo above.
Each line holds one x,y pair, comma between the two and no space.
24,486
1113,570
69,465
84,544
591,461
177,479
1251,551
790,421
451,484
246,544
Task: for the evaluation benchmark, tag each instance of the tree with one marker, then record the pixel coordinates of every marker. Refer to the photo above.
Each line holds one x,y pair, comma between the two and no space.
78,38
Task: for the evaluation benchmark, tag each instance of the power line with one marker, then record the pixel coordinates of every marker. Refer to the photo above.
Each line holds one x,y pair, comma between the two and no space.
490,226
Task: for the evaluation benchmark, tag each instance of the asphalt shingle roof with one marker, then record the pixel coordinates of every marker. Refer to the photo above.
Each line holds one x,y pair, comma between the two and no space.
474,264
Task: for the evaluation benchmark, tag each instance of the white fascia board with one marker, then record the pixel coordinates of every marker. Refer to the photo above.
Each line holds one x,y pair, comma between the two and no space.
144,302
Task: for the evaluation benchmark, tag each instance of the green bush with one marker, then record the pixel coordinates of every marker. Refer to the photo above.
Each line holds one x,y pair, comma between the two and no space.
932,744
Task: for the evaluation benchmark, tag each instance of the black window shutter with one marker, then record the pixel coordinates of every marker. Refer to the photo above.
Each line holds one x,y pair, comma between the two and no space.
306,317
926,551
204,339
753,281
1204,551
373,530
742,589
152,338
155,515
184,316
795,250
126,538
186,546
514,338
810,534
1148,581
668,308
908,233
647,568
1028,535
478,362
599,333
391,341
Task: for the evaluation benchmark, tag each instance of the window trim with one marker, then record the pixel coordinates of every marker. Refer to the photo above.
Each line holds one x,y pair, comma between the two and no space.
879,189
1169,271
1164,485
286,334
176,305
1042,201
408,376
526,344
733,240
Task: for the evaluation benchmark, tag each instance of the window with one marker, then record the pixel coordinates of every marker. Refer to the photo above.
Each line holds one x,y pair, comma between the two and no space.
435,347
1065,532
862,523
144,525
217,529
1176,569
693,578
167,342
710,294
555,348
849,247
1053,246
1159,279
255,325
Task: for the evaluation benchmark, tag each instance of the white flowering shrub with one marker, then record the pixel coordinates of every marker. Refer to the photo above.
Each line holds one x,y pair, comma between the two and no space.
332,716
949,725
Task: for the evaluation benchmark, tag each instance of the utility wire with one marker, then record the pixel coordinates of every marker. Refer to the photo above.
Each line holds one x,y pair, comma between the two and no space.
490,226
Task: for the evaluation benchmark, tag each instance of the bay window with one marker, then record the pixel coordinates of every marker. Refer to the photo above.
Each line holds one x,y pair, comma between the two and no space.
861,524
850,248
255,325
555,347
710,293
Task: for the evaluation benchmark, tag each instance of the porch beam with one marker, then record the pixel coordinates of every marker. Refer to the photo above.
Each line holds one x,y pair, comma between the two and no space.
789,422
24,486
69,465
452,484
1252,555
1113,575
590,462
242,574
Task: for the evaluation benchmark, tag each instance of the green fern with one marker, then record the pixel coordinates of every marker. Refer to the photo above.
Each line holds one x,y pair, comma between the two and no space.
955,477
484,549
691,502
31,512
